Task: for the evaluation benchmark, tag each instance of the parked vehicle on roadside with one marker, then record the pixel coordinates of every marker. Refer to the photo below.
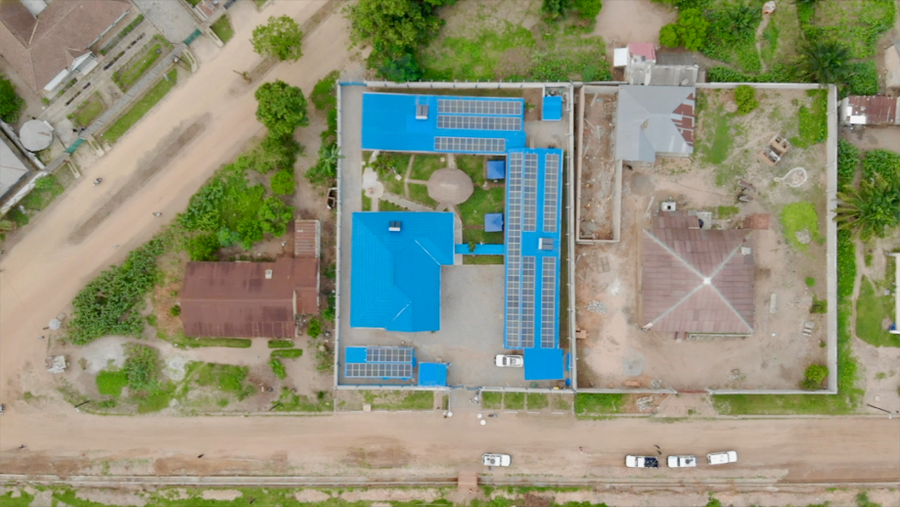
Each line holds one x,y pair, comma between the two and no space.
721,458
509,361
496,460
685,461
632,461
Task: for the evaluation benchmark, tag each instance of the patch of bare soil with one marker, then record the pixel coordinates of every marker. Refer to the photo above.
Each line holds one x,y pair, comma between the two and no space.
24,461
192,465
165,294
378,453
597,185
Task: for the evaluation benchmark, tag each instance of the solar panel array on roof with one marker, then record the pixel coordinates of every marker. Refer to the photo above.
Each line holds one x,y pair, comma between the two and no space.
379,370
389,354
479,122
469,144
532,260
476,106
551,193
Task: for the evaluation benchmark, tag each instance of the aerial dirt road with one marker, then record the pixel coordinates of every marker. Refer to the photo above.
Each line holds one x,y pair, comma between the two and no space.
42,273
416,445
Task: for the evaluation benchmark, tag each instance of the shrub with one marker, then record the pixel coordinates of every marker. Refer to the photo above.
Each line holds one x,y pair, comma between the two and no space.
175,311
10,102
314,328
281,108
810,281
328,314
277,368
281,344
323,93
814,376
141,368
283,182
203,247
668,36
745,97
274,216
588,9
689,31
287,353
848,162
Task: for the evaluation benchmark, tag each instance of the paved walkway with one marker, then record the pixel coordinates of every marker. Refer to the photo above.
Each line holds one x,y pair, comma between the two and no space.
404,202
171,17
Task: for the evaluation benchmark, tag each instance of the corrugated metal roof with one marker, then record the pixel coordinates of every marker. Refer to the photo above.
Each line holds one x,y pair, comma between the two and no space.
645,49
876,109
654,119
248,299
697,281
395,281
306,239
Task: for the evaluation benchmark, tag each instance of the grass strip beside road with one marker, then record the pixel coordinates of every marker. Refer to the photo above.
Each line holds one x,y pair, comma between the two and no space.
598,403
222,28
140,108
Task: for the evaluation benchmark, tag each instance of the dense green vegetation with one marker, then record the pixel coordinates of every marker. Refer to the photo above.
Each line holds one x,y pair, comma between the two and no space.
287,353
280,37
111,382
872,308
227,378
745,97
873,208
323,97
282,108
10,102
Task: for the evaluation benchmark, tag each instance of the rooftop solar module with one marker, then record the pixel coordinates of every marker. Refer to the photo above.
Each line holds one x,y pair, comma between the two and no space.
548,302
551,192
475,106
469,144
528,294
479,122
378,370
389,354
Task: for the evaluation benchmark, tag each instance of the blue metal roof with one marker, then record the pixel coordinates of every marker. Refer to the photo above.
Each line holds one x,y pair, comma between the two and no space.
395,280
543,364
446,124
552,108
496,169
433,374
493,222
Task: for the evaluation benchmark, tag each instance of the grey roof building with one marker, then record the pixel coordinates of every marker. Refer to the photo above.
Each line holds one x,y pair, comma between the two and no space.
12,168
654,120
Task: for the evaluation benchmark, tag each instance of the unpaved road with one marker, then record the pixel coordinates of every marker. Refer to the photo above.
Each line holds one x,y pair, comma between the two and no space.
42,273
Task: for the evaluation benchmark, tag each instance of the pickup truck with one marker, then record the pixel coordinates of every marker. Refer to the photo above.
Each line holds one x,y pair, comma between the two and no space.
721,458
682,461
496,460
641,461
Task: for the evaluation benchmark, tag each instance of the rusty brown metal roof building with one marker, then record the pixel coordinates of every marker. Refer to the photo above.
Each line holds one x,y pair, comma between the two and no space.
306,238
873,109
697,281
248,299
39,48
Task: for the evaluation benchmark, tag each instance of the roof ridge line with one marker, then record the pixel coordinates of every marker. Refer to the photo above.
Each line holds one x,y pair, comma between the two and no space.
689,294
722,296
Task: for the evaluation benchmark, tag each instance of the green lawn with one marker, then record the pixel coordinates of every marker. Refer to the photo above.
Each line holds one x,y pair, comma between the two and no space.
111,382
492,400
716,147
872,308
424,165
227,378
796,217
400,400
222,28
782,404
419,194
472,165
88,111
184,341
482,259
389,206
561,402
131,72
287,353
482,201
290,402
139,109
281,344
598,403
514,401
537,401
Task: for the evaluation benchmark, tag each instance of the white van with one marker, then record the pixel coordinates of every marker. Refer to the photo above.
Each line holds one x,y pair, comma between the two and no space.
721,458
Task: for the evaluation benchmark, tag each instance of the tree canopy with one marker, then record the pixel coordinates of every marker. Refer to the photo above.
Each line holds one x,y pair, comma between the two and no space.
689,31
282,108
281,37
870,211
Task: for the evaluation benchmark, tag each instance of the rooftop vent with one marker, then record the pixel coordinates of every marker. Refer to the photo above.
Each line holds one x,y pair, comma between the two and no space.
421,111
268,274
667,206
395,226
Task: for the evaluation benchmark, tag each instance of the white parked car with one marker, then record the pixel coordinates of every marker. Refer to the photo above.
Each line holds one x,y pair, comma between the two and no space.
496,460
641,461
721,458
682,461
507,361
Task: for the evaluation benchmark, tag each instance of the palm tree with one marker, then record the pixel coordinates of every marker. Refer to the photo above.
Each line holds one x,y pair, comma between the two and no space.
871,210
826,62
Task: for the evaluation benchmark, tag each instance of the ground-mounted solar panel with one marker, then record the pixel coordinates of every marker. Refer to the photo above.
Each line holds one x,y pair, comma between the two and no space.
548,302
475,106
529,193
479,122
469,144
378,370
528,296
389,354
551,192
